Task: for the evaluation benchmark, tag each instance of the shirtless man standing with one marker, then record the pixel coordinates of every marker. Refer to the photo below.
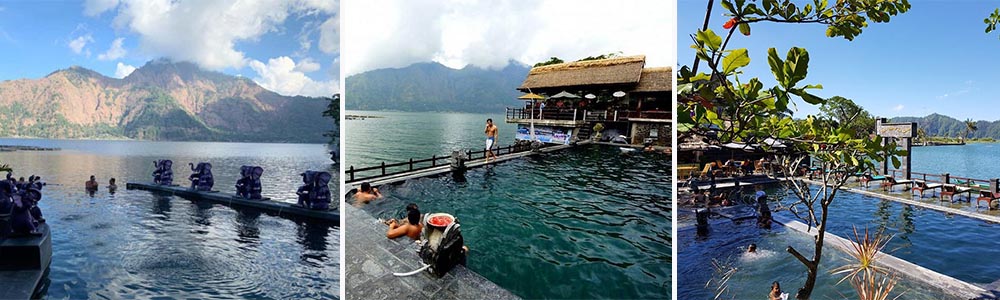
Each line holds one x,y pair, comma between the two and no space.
491,139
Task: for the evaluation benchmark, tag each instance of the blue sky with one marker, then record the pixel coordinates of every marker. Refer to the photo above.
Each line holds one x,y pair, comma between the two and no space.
935,58
291,47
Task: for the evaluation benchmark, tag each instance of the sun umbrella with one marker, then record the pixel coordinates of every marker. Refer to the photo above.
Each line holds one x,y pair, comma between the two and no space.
531,96
565,94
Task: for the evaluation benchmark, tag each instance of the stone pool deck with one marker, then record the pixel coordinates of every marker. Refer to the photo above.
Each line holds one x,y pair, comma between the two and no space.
371,259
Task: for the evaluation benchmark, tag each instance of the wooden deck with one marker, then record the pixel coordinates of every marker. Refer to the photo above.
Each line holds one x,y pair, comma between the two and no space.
266,204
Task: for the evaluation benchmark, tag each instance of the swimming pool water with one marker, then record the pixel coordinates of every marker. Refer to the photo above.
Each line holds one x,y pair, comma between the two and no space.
586,222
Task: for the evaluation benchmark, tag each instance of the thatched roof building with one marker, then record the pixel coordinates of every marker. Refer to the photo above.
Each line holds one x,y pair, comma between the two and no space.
655,80
591,74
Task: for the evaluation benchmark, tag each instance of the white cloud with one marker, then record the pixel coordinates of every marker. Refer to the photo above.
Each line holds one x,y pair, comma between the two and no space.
898,107
307,65
123,70
329,35
397,33
115,52
280,75
96,7
78,44
204,32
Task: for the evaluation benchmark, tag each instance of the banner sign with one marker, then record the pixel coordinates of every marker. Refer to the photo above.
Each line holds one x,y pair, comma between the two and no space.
545,134
897,130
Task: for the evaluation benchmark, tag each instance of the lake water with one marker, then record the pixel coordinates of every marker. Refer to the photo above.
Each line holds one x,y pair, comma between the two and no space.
399,136
586,222
136,244
972,160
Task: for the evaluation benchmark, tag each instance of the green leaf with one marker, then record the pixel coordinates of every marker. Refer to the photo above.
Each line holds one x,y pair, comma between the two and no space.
708,38
736,59
895,162
777,65
745,29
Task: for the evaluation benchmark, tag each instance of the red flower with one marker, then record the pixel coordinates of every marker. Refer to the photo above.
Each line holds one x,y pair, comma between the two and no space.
729,24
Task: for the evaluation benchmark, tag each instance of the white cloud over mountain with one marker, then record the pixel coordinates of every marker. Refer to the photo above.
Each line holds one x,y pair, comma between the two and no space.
397,33
208,32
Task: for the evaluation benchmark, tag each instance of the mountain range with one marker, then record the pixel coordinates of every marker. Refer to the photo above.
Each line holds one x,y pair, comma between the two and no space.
435,87
936,125
162,100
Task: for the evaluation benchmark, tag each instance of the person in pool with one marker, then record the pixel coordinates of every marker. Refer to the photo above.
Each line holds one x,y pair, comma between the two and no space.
752,248
92,184
776,293
491,139
112,187
411,228
366,194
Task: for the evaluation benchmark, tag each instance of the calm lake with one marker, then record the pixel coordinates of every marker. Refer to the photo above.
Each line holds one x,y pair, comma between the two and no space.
136,244
399,136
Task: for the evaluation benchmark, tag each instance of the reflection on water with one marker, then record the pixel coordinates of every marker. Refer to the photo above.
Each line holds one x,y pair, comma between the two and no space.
587,222
138,244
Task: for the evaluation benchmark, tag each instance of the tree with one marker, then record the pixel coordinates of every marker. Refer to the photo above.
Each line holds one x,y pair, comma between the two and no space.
602,56
922,135
992,20
845,112
333,111
552,61
970,127
720,105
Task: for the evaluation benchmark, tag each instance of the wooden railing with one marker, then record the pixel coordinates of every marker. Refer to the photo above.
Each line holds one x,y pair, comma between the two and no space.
384,169
945,178
574,114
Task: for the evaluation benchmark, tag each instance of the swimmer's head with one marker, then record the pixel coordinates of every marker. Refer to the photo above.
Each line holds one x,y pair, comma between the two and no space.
775,287
413,216
412,206
366,187
752,248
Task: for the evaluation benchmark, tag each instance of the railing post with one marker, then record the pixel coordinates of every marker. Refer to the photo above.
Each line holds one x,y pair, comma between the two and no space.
574,114
947,178
925,177
351,171
434,160
411,164
383,168
616,116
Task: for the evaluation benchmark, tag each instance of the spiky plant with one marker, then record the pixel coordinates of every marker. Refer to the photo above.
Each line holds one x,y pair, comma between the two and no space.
869,280
723,272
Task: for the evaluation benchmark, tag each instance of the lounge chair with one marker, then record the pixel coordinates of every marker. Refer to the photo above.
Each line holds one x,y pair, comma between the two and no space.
890,182
866,179
950,190
988,197
921,186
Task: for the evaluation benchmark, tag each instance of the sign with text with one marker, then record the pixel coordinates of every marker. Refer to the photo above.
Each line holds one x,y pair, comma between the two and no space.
897,130
545,134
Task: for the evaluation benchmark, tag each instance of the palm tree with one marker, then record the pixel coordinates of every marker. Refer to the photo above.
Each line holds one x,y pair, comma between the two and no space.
970,127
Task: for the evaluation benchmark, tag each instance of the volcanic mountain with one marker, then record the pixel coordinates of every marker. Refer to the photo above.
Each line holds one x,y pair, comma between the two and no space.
162,100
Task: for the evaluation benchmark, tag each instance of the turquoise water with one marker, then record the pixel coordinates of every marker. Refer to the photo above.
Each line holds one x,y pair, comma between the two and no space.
136,244
587,222
399,136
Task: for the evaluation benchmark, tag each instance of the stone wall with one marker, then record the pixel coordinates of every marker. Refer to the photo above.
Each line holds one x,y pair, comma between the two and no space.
643,130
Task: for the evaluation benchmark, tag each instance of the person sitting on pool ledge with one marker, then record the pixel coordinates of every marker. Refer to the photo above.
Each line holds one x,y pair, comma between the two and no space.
366,194
92,184
410,228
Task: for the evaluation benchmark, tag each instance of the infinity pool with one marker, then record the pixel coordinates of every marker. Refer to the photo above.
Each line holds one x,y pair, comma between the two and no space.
138,244
956,246
588,222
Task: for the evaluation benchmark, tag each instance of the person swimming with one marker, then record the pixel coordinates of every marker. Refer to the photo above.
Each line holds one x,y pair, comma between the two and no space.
411,228
112,186
752,248
92,183
776,293
366,193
